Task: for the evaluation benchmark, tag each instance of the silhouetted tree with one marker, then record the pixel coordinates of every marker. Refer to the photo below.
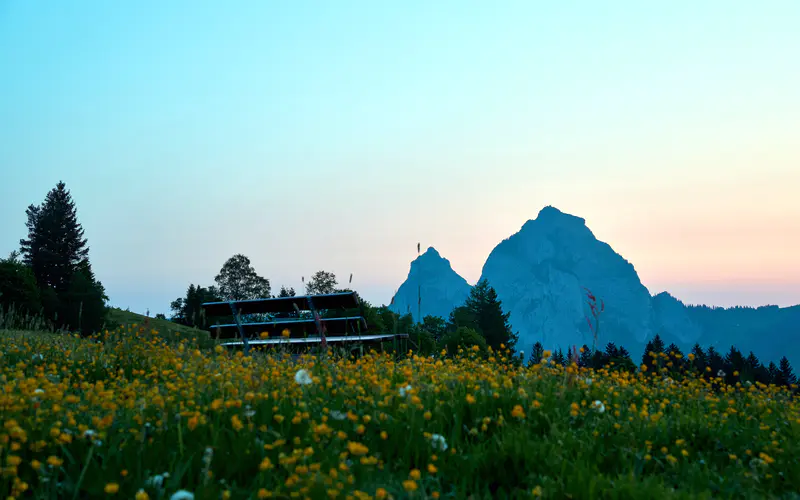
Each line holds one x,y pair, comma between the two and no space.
536,353
585,360
84,302
188,310
734,362
488,317
322,282
58,256
286,292
700,359
785,374
238,280
18,287
618,358
653,347
55,244
715,362
773,372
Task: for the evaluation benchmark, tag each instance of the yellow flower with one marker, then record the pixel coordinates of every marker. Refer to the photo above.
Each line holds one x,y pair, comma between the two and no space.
432,469
470,399
111,488
537,491
410,485
357,449
142,495
768,459
414,474
381,494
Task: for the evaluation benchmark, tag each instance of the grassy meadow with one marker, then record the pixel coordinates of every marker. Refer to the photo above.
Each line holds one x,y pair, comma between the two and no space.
134,414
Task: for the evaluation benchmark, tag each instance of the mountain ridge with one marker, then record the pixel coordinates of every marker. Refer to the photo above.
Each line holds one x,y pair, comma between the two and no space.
540,272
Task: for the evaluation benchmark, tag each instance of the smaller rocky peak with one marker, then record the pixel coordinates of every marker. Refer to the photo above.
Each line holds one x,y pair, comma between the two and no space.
431,260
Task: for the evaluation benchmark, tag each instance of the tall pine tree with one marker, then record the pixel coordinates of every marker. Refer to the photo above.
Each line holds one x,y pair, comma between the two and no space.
57,254
55,245
486,311
785,374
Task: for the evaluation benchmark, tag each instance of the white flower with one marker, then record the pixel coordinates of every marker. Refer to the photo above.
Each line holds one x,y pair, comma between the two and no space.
249,412
39,391
182,495
338,415
89,433
598,406
302,377
404,390
720,374
438,442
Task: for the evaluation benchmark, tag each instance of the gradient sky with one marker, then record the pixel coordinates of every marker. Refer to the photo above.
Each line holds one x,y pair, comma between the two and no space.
337,135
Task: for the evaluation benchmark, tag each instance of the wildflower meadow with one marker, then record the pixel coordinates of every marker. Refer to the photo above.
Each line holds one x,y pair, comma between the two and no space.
130,414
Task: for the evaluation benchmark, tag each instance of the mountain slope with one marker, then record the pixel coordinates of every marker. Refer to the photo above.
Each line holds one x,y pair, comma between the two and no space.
540,273
431,288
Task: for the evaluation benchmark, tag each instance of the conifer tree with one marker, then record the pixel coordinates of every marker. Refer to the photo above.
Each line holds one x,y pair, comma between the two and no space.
785,374
486,311
559,358
585,360
773,373
715,362
57,254
700,359
536,353
55,245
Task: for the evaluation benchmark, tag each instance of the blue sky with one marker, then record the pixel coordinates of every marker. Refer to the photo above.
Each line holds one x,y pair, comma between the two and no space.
337,135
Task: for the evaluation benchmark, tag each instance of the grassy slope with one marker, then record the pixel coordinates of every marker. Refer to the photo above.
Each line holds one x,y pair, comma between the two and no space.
167,329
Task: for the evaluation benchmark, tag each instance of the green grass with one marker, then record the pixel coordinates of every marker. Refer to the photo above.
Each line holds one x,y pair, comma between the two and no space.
223,424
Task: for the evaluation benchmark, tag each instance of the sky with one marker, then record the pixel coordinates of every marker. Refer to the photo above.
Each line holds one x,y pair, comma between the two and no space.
338,135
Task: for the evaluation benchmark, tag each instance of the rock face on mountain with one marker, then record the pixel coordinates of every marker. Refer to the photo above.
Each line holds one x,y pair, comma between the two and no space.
672,321
440,288
540,273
